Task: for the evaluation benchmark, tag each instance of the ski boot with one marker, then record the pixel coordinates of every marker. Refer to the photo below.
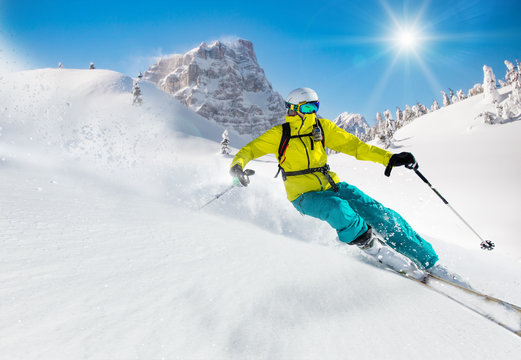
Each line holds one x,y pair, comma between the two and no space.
442,272
372,245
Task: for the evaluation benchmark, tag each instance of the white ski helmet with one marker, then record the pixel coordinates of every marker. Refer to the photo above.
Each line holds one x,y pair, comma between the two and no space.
301,95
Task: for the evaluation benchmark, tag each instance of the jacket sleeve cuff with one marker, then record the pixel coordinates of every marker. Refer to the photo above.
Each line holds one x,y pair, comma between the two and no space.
387,157
238,161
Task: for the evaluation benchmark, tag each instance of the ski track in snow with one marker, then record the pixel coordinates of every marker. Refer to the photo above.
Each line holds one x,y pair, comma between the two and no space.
107,257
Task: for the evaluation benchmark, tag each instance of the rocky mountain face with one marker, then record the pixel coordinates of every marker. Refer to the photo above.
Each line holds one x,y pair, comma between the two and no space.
224,83
352,123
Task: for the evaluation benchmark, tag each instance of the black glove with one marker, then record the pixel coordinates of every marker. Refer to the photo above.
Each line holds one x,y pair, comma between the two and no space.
243,176
402,159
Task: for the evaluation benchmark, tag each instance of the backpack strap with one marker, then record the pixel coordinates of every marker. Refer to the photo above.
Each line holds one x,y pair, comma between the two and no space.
286,136
319,125
284,141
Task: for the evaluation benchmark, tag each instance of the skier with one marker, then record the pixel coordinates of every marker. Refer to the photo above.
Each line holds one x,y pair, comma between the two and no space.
315,191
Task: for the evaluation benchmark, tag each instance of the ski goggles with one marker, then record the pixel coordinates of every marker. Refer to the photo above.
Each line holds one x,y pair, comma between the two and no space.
305,108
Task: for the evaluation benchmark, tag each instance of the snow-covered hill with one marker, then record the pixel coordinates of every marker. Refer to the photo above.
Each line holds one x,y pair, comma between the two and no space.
106,255
474,165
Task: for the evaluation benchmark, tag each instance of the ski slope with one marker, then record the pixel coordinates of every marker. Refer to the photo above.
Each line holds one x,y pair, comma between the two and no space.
105,254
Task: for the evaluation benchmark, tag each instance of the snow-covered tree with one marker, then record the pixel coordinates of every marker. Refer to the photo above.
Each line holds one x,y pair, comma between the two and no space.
379,122
513,77
136,91
488,117
454,99
60,65
489,85
516,90
380,129
415,111
513,104
371,134
387,115
389,128
512,73
399,117
461,95
382,138
389,121
477,89
225,143
91,66
419,110
407,114
446,101
500,114
435,106
504,112
422,109
140,75
512,107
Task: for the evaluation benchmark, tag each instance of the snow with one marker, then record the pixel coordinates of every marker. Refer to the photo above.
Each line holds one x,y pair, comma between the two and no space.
106,255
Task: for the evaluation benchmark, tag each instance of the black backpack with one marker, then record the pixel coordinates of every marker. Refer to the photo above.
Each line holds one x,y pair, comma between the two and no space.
284,142
286,136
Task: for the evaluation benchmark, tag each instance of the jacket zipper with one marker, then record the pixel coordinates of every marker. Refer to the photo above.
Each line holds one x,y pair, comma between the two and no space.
307,155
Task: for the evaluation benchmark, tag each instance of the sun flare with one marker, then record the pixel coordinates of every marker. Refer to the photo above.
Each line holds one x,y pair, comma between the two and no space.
407,39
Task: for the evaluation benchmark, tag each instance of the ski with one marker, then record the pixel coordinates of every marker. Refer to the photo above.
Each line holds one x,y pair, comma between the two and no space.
508,305
500,312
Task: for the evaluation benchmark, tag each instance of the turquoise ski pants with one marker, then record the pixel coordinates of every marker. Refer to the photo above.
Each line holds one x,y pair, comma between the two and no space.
349,211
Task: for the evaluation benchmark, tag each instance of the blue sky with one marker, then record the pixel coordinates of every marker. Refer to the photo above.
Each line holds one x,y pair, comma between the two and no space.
347,51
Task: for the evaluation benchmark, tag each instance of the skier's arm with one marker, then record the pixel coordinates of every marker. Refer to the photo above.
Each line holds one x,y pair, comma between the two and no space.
267,143
338,139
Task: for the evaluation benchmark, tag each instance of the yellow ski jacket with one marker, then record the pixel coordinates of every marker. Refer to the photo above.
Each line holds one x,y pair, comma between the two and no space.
301,154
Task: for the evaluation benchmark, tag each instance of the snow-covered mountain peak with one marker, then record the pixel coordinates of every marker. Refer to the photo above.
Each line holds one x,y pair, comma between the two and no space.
222,82
219,48
353,123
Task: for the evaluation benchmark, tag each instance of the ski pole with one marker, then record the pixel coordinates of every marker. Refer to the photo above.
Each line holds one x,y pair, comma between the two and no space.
236,183
218,196
485,244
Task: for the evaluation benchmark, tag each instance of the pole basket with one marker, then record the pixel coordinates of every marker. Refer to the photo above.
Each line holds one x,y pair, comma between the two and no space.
487,245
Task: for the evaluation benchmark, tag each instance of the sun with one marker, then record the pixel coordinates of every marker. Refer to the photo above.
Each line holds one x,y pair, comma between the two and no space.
407,39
